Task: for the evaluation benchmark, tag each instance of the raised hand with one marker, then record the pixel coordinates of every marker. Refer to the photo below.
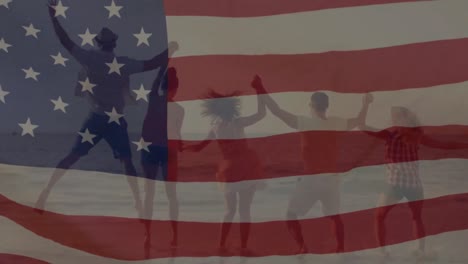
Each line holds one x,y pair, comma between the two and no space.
51,5
173,47
257,84
368,99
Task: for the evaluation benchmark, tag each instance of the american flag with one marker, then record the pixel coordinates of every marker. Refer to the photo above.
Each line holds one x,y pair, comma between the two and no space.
407,53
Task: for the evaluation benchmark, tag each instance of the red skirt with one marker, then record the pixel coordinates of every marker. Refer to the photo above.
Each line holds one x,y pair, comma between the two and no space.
244,166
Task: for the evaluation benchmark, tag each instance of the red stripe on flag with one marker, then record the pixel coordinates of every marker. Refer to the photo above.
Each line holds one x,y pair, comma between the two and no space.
122,238
250,8
281,155
15,259
384,69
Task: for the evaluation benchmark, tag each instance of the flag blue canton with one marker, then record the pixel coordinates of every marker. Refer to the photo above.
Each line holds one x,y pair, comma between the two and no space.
39,112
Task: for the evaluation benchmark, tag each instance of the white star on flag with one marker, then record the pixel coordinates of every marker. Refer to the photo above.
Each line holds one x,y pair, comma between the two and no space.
59,59
87,86
142,94
31,30
5,3
115,66
142,145
114,116
60,10
87,137
59,105
31,74
4,46
143,37
114,10
28,128
87,38
3,94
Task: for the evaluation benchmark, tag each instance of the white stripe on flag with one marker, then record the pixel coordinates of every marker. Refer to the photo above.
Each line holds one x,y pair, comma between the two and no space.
357,28
435,106
93,193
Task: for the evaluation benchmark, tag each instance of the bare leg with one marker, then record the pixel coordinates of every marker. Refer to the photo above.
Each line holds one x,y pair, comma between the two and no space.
230,199
301,201
61,169
245,202
418,225
331,207
295,230
150,174
171,193
381,213
130,171
338,230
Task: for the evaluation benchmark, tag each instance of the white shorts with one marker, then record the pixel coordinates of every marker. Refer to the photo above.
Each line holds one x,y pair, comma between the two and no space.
325,188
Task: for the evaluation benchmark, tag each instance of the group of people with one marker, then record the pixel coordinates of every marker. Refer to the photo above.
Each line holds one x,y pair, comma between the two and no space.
111,93
241,167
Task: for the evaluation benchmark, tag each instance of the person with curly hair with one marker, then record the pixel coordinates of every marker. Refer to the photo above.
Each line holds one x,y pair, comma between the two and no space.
240,165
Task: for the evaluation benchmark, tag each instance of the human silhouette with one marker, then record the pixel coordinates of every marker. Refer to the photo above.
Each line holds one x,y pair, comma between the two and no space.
164,118
240,165
402,142
315,152
105,82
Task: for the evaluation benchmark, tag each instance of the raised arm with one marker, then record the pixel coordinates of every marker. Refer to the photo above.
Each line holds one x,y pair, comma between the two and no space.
148,65
433,143
161,60
382,134
59,31
200,146
360,120
261,108
288,118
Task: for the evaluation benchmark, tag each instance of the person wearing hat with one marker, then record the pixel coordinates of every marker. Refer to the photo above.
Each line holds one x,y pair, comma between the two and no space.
104,81
106,38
